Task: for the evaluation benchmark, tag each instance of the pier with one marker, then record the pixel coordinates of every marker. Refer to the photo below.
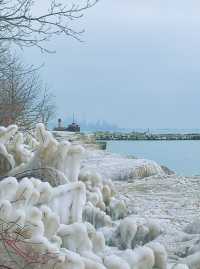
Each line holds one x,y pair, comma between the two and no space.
145,136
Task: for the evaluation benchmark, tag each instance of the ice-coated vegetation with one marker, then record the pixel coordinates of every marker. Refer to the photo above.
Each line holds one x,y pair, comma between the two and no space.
55,215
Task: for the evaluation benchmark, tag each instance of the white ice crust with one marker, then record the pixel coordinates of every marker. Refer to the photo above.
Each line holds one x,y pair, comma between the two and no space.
55,215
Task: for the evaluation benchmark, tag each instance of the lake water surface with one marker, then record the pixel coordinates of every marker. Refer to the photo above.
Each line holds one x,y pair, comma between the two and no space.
183,157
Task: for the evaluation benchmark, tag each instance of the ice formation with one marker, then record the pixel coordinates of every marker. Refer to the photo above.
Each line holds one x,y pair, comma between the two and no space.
54,216
7,161
116,167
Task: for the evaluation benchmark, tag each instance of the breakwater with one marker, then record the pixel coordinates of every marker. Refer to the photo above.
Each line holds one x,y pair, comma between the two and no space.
145,136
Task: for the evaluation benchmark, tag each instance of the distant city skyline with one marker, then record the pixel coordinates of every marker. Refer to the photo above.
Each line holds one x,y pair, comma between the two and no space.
103,125
138,67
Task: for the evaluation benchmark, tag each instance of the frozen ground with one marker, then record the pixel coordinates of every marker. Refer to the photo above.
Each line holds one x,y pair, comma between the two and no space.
161,206
173,201
117,167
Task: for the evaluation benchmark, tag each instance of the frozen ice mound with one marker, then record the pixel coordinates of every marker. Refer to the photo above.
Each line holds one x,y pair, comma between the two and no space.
117,167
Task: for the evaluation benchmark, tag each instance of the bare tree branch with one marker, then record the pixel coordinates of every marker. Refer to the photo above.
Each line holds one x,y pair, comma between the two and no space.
19,23
23,98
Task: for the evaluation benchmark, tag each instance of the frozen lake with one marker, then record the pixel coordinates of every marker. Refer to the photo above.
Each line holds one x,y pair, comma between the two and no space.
183,157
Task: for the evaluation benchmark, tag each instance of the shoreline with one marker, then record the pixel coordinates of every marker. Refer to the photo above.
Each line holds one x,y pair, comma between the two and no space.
172,201
114,208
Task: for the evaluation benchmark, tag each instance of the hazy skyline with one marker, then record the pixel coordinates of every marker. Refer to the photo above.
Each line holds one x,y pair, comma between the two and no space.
138,67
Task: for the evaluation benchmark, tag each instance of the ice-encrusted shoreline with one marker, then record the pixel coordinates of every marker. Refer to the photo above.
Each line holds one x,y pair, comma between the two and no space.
58,212
117,167
172,200
110,165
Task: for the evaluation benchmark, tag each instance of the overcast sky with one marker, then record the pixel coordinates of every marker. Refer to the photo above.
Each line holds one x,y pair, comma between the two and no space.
139,66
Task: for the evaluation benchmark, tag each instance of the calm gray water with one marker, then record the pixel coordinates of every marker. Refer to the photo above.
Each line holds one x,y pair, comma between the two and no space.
183,157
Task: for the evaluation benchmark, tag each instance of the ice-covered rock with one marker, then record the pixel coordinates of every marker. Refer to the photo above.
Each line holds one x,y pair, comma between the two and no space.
117,209
127,231
140,258
160,255
75,237
118,167
115,262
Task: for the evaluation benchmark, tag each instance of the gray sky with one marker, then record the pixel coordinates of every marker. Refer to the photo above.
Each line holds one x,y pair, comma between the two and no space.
139,66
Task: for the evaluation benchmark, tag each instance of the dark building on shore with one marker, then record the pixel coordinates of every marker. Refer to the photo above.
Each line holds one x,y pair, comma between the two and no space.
73,127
